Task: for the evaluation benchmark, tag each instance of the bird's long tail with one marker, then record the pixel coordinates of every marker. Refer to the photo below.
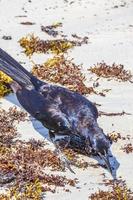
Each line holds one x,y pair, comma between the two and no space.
12,68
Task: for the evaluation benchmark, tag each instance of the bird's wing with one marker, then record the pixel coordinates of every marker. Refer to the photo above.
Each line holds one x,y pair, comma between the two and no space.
43,109
69,109
69,102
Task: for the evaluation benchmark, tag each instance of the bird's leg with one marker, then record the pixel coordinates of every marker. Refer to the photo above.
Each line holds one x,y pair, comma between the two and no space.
61,142
64,161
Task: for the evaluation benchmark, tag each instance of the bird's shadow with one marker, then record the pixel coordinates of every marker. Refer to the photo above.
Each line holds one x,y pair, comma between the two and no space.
44,132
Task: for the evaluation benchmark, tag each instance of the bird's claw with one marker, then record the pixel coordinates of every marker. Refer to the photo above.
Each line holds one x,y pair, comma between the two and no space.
66,163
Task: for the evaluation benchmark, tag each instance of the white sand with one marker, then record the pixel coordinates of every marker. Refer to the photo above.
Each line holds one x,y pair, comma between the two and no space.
110,32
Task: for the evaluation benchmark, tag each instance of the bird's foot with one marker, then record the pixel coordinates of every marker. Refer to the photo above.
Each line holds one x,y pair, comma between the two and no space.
64,161
60,145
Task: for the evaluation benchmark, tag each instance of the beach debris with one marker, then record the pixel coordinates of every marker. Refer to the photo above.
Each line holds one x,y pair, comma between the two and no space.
33,44
80,40
118,191
50,30
113,114
94,165
27,23
128,148
7,119
21,16
63,71
23,163
123,4
4,84
113,71
103,92
7,37
114,136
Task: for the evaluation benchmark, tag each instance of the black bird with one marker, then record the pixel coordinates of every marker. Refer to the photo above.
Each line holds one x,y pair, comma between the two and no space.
63,112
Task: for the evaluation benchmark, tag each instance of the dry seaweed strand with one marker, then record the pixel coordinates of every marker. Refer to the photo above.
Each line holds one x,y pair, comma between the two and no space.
114,71
118,191
63,71
113,114
27,23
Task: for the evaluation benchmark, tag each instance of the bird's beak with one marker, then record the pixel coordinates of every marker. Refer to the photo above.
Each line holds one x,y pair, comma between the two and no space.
106,159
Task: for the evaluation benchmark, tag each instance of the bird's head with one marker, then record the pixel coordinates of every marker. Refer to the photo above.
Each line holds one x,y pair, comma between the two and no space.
100,145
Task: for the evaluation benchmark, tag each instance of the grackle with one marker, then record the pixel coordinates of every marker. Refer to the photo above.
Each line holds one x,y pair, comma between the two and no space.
63,112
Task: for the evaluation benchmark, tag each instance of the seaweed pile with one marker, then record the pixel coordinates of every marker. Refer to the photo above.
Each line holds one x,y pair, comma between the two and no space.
118,191
63,71
8,131
115,71
114,136
4,84
32,44
58,69
23,164
128,148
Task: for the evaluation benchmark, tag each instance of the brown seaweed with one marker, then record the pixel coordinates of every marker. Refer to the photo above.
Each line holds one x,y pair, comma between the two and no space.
65,72
22,163
32,44
114,71
118,191
128,148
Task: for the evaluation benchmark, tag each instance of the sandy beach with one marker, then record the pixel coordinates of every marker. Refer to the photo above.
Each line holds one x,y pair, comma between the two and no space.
109,28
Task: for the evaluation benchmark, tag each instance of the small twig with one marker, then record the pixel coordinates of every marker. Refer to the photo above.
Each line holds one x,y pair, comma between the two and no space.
113,114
